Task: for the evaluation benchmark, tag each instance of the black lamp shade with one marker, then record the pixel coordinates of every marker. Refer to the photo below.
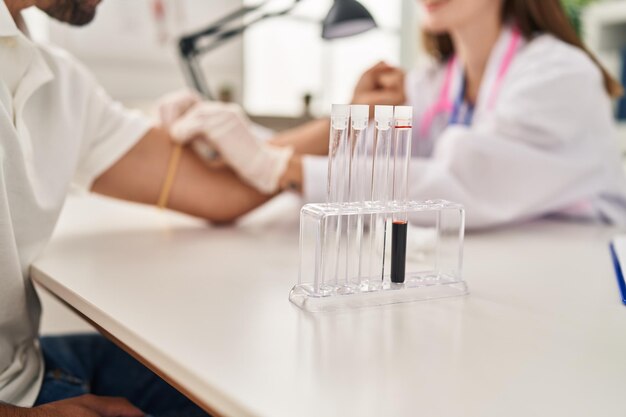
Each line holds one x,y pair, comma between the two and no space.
346,18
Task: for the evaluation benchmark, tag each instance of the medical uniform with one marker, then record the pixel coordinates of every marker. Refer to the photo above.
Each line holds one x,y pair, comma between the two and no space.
539,141
57,127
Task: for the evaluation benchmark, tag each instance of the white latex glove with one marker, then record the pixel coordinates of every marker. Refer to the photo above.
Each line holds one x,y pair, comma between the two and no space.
227,128
173,106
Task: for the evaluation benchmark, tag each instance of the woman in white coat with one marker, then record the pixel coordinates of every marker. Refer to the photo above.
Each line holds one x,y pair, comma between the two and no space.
513,119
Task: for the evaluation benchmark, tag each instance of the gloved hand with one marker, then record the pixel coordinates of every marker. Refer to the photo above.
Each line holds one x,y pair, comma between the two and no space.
227,128
174,105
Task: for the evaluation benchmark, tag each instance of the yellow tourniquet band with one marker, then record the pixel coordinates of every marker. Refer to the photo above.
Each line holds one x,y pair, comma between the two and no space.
171,174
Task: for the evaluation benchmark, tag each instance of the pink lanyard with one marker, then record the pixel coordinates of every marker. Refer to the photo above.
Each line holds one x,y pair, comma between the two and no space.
445,105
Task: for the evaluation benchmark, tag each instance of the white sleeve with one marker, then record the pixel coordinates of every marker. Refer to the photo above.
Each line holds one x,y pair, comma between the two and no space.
315,173
541,151
110,132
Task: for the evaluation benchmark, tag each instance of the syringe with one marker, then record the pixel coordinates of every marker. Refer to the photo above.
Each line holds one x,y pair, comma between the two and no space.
401,160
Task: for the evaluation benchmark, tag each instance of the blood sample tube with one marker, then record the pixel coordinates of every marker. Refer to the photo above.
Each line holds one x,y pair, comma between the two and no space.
402,137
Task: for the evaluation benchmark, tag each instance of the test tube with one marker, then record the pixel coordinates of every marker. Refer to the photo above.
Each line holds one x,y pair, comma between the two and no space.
403,126
380,191
336,192
357,181
339,117
359,116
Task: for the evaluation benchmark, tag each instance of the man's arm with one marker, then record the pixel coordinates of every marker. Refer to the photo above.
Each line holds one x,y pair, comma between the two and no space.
87,405
215,194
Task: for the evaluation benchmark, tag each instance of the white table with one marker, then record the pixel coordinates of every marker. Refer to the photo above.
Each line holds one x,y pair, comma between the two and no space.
543,332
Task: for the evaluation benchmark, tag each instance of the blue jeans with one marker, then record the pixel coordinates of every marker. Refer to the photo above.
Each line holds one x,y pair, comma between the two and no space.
90,364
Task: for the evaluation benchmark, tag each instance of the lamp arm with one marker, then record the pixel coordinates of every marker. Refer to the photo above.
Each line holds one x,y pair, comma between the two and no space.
188,42
189,49
224,36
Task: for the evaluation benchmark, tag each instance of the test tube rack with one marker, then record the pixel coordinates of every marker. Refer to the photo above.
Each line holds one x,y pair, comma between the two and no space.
349,246
433,266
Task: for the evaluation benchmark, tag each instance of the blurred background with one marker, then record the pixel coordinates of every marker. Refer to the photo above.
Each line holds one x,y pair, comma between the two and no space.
132,49
280,70
278,65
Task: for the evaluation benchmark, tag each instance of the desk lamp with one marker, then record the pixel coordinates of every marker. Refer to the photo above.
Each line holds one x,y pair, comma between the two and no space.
345,18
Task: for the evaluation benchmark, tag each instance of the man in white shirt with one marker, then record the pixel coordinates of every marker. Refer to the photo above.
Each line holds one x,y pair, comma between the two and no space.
58,127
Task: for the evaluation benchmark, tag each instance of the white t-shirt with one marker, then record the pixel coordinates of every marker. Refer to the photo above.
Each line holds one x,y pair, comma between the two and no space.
57,127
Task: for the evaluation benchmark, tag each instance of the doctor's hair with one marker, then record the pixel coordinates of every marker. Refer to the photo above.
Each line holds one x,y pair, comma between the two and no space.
532,17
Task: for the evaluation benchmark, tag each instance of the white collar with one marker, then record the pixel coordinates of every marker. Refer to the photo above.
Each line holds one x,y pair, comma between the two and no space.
7,25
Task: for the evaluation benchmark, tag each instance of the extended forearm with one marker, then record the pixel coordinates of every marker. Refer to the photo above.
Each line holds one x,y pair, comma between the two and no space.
217,195
310,138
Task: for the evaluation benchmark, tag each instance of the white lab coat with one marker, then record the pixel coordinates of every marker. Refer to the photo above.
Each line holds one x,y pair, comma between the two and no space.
546,147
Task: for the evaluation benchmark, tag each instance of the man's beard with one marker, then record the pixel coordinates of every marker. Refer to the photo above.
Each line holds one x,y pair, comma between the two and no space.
74,12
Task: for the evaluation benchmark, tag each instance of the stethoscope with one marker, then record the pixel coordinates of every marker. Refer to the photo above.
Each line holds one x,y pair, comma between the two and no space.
445,105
